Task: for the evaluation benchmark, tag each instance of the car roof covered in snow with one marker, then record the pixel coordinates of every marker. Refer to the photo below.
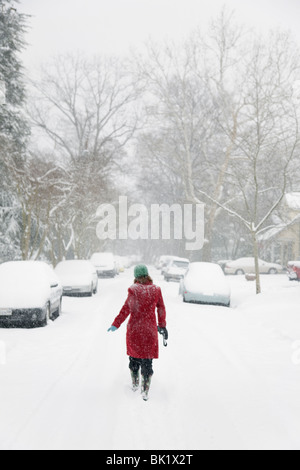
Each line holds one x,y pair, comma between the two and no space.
102,256
25,284
205,268
206,276
76,265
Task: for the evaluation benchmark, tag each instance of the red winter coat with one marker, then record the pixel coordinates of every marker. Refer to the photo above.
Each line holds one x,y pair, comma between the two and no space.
142,335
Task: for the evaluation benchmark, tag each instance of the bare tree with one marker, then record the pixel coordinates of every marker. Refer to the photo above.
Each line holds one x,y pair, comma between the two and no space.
267,137
227,120
86,110
85,106
219,56
178,107
179,127
191,87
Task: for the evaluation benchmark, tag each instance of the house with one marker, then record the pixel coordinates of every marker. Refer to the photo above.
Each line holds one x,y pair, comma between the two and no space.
281,243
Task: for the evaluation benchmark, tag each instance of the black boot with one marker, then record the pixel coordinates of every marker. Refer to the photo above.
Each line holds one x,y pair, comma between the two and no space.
135,380
146,382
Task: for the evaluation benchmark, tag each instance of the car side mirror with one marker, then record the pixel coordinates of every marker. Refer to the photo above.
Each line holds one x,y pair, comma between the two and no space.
53,285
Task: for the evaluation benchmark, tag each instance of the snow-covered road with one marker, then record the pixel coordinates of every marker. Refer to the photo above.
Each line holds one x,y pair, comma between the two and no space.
229,378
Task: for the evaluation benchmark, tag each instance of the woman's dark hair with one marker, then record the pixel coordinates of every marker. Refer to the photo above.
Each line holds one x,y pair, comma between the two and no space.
144,280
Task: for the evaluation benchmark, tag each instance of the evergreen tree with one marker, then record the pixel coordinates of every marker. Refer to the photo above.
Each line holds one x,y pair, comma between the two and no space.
13,126
14,129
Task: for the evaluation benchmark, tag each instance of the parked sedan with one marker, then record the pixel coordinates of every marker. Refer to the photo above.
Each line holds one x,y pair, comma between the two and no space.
205,283
30,293
247,266
163,262
176,269
78,277
105,264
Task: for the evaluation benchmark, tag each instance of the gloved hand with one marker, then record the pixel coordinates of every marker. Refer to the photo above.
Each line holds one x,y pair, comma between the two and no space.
164,332
112,328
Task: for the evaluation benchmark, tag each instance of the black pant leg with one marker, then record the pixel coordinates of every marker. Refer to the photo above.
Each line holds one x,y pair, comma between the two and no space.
134,364
146,367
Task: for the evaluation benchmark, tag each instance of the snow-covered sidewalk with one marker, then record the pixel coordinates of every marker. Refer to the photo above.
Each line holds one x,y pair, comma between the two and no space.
229,378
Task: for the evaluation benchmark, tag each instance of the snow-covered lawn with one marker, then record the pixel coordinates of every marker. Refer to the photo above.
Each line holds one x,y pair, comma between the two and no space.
229,378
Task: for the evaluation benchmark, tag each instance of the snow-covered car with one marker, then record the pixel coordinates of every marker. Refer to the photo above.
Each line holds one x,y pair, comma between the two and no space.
247,266
163,262
293,268
166,263
77,277
105,264
205,283
223,262
176,269
30,293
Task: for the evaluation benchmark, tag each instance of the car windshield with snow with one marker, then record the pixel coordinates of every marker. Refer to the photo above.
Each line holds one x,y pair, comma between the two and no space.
205,283
78,277
30,293
176,269
164,261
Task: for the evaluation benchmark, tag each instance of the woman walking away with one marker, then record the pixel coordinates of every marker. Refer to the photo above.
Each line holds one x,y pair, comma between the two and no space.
142,332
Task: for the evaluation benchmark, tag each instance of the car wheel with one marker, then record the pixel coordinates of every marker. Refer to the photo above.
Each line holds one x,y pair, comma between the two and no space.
58,312
47,317
90,294
239,272
273,271
48,314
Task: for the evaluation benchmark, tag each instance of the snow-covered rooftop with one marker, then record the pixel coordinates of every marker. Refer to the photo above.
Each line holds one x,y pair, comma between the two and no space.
271,233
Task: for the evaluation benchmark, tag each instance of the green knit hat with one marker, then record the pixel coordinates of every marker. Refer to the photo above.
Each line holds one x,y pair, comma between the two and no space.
140,271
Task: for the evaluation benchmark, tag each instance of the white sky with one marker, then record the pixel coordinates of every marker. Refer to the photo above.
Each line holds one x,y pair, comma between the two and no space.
113,26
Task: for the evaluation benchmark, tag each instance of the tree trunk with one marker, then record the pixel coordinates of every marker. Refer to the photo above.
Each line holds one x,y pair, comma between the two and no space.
256,257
